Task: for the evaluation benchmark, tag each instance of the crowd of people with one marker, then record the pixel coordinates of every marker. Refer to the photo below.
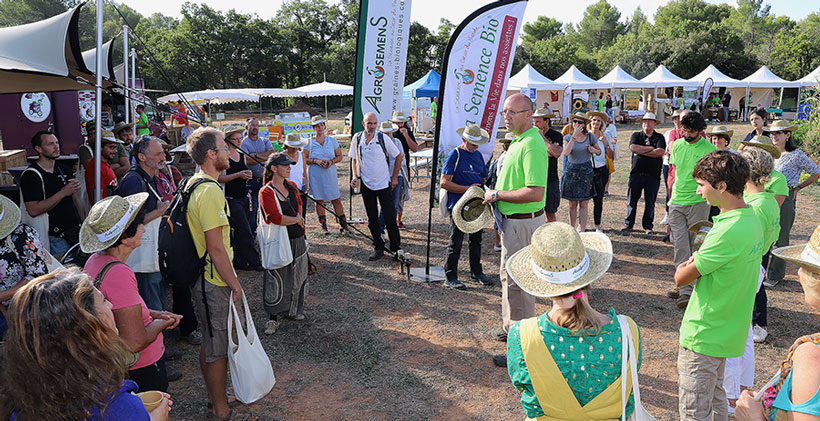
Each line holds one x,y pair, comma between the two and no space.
98,331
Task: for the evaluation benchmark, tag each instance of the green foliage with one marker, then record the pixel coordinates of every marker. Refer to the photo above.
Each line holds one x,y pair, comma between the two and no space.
543,28
807,135
599,26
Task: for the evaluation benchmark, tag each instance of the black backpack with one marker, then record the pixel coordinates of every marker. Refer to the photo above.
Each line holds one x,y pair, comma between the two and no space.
179,262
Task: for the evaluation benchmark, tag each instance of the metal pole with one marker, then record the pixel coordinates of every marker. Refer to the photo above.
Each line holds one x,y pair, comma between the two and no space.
98,102
125,73
133,87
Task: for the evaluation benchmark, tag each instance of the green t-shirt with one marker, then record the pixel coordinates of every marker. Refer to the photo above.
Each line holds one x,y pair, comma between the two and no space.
717,318
433,109
143,121
525,165
777,185
767,210
684,156
601,105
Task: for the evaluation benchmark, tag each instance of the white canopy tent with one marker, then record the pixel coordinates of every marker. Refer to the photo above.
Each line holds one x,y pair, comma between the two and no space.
547,91
213,96
718,78
575,79
812,79
661,77
325,89
619,78
760,86
272,92
90,59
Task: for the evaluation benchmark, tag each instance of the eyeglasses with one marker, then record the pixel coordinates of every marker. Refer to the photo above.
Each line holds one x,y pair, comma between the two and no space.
512,113
578,122
220,149
777,132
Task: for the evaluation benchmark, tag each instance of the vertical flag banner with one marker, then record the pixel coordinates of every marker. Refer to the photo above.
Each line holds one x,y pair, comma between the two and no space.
381,58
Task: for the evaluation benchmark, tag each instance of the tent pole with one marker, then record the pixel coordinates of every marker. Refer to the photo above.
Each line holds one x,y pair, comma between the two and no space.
133,85
798,102
98,102
745,104
125,73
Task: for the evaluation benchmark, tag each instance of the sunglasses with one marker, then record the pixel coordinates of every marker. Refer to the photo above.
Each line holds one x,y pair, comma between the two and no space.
777,132
578,122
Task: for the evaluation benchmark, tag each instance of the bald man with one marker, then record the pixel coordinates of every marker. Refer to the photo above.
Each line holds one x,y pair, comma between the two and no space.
520,198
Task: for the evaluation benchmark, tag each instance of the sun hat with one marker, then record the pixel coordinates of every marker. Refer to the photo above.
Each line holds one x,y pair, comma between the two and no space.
560,260
700,229
9,216
121,125
716,130
806,255
293,140
469,213
107,220
765,143
107,137
398,116
509,137
543,112
579,115
781,125
603,116
676,114
317,119
650,116
280,158
388,127
232,130
474,134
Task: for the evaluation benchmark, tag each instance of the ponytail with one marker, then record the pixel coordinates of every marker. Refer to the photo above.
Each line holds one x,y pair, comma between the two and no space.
580,317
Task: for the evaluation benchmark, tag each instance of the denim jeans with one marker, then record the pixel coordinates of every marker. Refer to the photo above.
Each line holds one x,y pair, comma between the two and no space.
396,199
372,200
57,246
649,185
152,290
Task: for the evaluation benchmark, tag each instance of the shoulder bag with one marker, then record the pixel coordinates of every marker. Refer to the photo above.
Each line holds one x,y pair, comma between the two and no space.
629,358
145,258
251,371
274,243
40,223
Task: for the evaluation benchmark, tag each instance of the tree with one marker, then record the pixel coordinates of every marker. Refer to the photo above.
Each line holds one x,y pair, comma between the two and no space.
719,46
599,27
18,12
637,21
797,51
543,28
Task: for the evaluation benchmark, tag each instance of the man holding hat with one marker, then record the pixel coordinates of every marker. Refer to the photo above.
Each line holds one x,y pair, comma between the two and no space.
463,168
258,150
108,179
520,197
648,147
555,145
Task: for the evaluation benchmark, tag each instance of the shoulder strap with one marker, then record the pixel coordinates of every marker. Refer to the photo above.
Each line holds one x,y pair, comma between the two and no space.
42,181
101,274
458,156
380,138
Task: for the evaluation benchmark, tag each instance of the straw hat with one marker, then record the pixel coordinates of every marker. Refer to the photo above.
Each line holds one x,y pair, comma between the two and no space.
9,216
317,119
676,114
782,125
716,130
121,125
108,137
700,226
474,134
579,115
650,116
232,130
398,116
469,213
806,256
603,116
293,140
388,127
107,219
765,143
559,260
543,112
509,137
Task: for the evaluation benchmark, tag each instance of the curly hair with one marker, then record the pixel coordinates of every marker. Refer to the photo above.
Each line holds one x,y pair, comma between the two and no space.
723,166
760,163
57,339
693,120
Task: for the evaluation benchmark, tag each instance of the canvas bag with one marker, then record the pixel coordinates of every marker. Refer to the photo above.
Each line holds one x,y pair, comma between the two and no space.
40,223
628,353
443,194
251,371
145,258
274,243
82,192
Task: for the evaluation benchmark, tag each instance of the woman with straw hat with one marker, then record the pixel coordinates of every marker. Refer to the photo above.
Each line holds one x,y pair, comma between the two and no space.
795,390
112,230
237,195
597,125
321,155
576,182
721,137
293,145
567,362
791,163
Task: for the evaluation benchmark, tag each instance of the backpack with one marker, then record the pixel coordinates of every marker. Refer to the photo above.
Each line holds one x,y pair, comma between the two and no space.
179,262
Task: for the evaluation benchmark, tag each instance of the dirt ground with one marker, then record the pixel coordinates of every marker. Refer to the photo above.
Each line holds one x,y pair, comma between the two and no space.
377,346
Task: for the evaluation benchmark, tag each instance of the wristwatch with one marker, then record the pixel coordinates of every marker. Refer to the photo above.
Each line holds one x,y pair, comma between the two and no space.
495,196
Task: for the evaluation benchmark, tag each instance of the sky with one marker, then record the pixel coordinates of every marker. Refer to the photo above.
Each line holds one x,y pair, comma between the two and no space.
456,10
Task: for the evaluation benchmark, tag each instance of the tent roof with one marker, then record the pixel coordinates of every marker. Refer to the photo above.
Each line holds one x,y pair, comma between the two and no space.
661,77
718,78
619,78
426,87
272,92
578,80
214,96
528,77
811,79
764,78
90,59
325,89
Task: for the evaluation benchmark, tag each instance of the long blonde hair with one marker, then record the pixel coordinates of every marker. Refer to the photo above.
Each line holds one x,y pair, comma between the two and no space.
581,316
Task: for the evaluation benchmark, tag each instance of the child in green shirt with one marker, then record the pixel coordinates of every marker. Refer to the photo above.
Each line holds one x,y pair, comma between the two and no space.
716,322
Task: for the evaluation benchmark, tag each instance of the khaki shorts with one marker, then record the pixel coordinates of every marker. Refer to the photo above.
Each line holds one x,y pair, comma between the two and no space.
219,297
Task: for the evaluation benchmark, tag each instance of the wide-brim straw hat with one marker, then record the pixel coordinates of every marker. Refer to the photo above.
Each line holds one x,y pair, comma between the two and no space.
232,130
603,116
317,119
806,255
509,137
765,143
399,116
559,260
120,126
474,134
470,214
293,140
388,127
107,220
543,112
781,125
579,115
650,116
716,130
9,216
676,114
700,226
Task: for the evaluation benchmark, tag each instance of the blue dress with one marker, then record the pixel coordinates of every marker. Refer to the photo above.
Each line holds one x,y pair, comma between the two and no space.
324,184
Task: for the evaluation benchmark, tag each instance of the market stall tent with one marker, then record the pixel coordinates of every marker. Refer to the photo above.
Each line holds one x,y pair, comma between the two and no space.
547,91
812,79
213,96
577,80
619,78
416,100
426,87
760,87
90,59
718,77
661,77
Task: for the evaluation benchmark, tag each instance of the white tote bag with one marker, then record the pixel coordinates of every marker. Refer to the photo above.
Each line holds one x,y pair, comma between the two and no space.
251,372
145,258
628,353
40,222
274,243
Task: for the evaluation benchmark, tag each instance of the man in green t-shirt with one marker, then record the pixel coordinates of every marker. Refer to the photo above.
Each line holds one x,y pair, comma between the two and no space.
685,206
142,121
726,270
520,198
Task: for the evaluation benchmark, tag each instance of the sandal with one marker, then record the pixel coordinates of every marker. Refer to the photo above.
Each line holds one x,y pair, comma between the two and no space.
232,416
232,403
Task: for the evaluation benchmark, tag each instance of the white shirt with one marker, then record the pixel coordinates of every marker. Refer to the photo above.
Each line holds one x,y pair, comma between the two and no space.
373,168
297,171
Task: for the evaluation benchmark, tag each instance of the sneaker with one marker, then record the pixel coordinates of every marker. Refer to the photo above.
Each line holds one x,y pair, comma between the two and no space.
665,238
378,254
172,373
598,228
665,219
647,232
500,336
484,279
771,283
760,334
400,225
496,248
455,284
673,293
194,338
626,228
271,326
682,301
500,360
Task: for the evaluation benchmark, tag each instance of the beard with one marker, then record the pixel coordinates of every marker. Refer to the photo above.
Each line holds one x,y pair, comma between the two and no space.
221,165
692,140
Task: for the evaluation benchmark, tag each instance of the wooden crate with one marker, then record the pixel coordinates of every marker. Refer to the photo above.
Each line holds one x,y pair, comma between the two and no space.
12,158
6,179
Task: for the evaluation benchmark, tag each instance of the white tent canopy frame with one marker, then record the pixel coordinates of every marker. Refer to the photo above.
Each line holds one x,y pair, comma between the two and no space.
325,89
90,57
575,79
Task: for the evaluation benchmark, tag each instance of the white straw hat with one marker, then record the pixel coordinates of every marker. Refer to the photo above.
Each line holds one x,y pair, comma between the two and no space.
9,216
469,213
107,220
293,140
765,143
806,256
388,127
399,116
474,134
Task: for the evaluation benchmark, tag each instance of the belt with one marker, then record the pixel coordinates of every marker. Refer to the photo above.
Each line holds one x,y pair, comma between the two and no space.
529,215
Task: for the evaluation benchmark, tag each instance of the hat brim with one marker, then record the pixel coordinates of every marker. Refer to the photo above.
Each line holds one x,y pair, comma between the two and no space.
695,228
299,145
793,254
399,120
230,133
599,249
727,133
768,148
599,114
572,116
89,243
394,128
314,123
477,224
547,115
653,119
123,127
11,217
782,129
485,137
